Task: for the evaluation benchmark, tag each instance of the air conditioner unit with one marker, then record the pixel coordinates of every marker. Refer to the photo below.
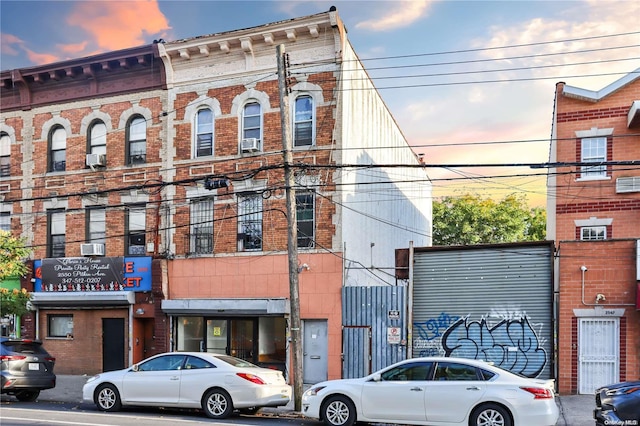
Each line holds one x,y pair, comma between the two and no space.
250,145
92,249
96,160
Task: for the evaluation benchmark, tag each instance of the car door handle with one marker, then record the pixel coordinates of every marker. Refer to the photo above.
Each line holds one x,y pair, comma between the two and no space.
473,388
174,378
416,389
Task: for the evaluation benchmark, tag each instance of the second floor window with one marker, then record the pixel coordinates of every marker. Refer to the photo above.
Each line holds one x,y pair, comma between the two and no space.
303,121
58,150
56,233
5,155
305,213
594,150
249,222
96,225
97,138
593,233
136,231
137,140
204,133
201,237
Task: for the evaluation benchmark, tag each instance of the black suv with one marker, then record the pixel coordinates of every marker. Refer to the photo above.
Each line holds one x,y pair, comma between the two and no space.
26,368
618,404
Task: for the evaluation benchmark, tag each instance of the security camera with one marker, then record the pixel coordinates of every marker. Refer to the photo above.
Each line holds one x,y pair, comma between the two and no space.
600,297
583,268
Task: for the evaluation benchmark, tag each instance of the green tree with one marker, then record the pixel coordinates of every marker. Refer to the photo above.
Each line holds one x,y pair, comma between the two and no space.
469,220
12,256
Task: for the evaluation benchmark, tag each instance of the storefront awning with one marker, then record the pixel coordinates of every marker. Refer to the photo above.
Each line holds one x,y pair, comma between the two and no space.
226,306
82,298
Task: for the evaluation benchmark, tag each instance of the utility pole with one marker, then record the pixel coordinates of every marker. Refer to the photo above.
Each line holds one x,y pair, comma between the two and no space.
292,228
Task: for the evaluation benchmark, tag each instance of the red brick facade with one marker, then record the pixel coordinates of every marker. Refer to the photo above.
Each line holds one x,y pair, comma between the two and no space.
606,267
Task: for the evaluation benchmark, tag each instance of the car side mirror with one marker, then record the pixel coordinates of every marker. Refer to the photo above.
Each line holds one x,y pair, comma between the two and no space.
376,377
135,367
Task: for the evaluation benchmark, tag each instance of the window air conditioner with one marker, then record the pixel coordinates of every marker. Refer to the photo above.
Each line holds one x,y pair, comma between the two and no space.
96,160
92,249
249,145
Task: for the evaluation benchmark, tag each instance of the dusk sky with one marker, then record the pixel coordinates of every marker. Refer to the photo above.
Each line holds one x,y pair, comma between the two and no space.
462,78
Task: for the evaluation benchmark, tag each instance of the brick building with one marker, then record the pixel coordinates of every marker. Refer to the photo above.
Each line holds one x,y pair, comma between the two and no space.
150,184
594,217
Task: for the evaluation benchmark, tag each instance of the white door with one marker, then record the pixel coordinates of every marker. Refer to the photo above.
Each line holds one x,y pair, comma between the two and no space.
315,349
598,353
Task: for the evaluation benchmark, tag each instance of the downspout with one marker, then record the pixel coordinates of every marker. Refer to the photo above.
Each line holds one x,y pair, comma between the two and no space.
410,305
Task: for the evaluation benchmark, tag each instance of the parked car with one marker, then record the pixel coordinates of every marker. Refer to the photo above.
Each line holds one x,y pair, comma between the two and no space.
434,391
618,404
26,368
218,384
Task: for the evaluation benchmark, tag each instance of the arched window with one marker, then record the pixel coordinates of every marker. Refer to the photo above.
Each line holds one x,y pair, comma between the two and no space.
5,155
137,140
303,121
57,149
252,124
204,133
97,139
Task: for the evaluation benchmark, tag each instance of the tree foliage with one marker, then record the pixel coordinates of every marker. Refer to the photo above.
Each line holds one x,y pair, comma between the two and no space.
469,220
12,256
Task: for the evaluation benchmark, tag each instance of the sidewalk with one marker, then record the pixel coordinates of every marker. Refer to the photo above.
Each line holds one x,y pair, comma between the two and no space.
575,410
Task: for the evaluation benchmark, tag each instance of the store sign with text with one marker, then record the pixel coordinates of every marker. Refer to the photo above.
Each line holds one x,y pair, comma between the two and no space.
93,274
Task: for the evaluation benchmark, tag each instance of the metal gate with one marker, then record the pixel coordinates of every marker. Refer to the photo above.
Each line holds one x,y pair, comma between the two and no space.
598,348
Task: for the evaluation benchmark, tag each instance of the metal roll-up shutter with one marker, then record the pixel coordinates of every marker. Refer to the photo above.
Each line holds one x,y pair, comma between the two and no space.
486,302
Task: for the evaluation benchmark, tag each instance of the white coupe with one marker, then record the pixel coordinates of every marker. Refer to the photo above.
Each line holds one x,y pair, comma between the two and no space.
217,384
434,391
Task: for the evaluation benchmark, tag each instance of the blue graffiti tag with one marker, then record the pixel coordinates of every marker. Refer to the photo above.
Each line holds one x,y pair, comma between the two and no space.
433,327
511,344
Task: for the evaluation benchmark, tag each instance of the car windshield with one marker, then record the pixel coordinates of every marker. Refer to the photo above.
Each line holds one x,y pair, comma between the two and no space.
236,362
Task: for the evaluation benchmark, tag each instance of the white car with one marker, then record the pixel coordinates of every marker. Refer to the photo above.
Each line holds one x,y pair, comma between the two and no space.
217,384
434,391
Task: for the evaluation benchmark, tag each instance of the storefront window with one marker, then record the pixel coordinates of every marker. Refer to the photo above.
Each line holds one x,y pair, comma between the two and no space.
60,325
190,334
272,345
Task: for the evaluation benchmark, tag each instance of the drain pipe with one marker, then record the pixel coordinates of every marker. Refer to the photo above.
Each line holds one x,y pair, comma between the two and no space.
599,297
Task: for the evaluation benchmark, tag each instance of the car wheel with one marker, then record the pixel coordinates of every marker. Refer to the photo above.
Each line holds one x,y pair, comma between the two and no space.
250,411
339,411
107,398
217,404
27,395
490,415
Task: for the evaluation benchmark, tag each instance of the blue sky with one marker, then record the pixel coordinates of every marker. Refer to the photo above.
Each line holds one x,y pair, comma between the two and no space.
457,93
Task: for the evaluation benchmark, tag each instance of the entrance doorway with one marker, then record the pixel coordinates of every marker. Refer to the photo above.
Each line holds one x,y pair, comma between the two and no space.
315,351
112,344
598,349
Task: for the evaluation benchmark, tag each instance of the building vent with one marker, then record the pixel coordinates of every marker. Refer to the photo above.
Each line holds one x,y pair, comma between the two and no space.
249,145
96,160
92,249
628,184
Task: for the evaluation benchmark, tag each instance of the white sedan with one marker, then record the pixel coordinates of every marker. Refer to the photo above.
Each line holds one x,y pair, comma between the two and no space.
434,391
218,384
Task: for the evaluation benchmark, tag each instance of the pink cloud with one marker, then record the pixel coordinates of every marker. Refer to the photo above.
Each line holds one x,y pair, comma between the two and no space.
114,25
41,58
9,42
72,48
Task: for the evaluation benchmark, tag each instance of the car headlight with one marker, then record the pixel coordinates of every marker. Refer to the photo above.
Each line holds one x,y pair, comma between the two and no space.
623,391
91,379
314,390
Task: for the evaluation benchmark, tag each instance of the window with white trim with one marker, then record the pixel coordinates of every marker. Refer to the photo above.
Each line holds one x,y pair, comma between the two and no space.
201,223
56,233
252,121
5,155
96,218
204,133
58,149
137,140
5,221
305,214
303,121
136,230
593,233
97,138
250,222
593,150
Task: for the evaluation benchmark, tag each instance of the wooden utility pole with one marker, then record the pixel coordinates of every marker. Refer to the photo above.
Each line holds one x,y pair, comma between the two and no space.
292,229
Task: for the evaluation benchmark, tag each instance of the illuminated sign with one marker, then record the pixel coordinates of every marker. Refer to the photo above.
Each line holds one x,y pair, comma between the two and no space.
93,274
